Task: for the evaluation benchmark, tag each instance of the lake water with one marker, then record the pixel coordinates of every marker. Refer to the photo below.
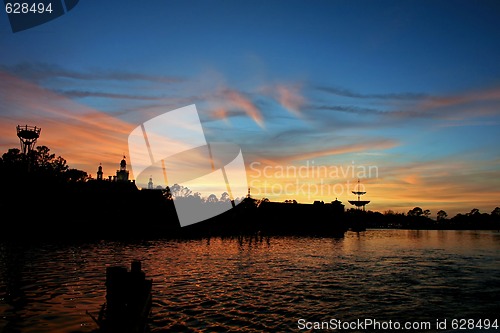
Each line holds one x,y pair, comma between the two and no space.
261,285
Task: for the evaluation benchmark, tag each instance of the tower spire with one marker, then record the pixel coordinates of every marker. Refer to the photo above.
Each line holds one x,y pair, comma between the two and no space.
27,136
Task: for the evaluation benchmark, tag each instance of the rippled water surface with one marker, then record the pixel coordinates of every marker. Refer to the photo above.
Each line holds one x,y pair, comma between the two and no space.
259,285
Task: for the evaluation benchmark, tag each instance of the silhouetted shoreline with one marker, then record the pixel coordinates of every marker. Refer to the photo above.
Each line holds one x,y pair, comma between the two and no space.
102,210
43,199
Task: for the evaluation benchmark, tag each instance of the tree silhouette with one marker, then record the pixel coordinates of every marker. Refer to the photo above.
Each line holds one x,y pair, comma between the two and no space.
43,159
42,163
12,158
441,215
180,191
473,212
225,197
75,175
212,198
496,211
417,211
167,193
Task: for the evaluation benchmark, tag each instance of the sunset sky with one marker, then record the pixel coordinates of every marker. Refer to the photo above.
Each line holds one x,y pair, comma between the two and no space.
403,94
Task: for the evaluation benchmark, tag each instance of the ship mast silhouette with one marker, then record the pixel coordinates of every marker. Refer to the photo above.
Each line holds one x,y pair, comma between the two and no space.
360,203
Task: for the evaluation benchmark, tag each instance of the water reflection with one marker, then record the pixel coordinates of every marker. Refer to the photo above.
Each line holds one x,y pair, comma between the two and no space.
259,284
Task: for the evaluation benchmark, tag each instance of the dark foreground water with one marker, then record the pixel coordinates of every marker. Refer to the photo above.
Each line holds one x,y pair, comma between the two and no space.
262,285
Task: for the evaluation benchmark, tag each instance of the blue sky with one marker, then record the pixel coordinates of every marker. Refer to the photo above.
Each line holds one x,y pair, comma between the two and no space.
412,87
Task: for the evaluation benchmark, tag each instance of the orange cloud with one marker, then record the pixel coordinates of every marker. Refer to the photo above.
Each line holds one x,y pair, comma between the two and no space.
239,101
350,148
290,98
83,136
221,114
454,186
491,94
470,104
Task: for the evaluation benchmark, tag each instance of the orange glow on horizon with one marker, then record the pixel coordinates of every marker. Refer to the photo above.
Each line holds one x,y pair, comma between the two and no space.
388,188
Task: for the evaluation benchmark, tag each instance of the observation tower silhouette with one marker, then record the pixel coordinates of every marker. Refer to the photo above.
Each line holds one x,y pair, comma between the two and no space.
28,136
359,203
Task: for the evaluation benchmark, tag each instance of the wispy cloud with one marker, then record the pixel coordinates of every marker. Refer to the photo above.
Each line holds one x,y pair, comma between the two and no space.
291,98
393,96
349,109
489,94
459,107
380,144
83,94
39,72
230,102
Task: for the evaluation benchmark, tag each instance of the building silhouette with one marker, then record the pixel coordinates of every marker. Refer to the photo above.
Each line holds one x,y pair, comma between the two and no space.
99,172
337,207
122,174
